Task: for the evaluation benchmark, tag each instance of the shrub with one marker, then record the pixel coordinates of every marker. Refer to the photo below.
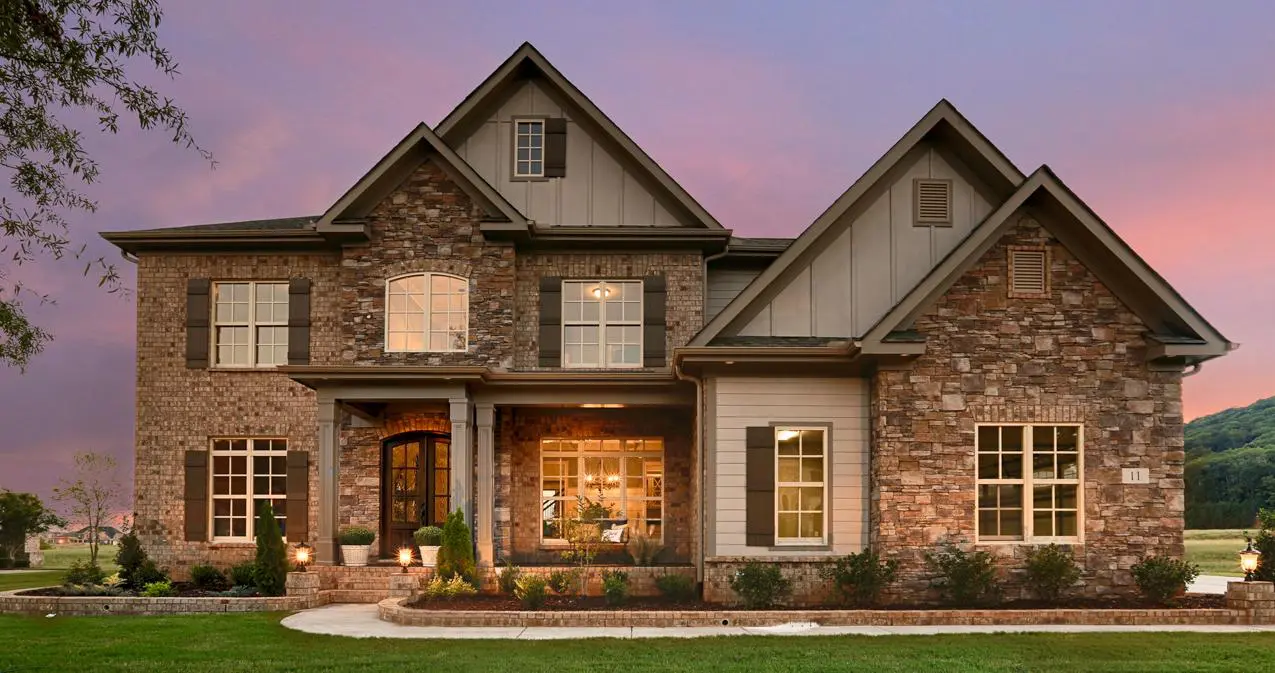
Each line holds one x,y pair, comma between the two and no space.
1265,543
447,589
130,557
1160,578
113,582
563,581
357,536
643,550
508,580
760,585
615,586
428,536
206,577
238,591
272,556
859,578
82,572
677,588
1050,572
963,578
531,591
456,554
244,574
88,590
148,574
159,589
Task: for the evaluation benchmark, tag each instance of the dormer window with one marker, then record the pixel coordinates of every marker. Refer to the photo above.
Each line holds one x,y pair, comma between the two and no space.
529,148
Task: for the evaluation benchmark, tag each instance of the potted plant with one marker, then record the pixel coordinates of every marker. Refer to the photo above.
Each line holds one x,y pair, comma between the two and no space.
429,539
356,543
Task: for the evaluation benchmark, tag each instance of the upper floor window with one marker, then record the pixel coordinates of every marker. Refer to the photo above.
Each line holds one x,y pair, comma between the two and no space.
1029,482
247,474
601,323
250,324
427,312
529,144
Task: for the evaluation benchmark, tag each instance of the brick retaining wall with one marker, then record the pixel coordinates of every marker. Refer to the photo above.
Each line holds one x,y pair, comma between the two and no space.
11,603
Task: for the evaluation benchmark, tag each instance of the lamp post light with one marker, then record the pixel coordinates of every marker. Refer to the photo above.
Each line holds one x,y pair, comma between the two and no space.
1248,560
304,555
405,558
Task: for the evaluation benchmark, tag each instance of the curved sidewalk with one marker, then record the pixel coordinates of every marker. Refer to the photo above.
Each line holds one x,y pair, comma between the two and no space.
361,621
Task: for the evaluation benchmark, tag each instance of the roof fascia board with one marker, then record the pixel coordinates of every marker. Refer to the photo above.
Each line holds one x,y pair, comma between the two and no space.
213,241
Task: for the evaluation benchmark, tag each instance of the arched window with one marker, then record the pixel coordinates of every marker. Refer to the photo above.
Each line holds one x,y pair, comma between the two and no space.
427,313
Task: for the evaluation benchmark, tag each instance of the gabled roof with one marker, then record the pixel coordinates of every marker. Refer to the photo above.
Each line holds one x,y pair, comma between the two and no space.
401,161
1180,331
942,122
527,60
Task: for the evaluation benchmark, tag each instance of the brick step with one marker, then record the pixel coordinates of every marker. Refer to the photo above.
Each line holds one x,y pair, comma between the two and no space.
357,595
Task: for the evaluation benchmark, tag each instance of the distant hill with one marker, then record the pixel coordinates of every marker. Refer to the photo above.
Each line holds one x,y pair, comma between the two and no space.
1230,469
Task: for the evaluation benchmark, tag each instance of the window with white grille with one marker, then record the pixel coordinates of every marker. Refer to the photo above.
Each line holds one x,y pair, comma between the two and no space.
250,324
1028,271
933,201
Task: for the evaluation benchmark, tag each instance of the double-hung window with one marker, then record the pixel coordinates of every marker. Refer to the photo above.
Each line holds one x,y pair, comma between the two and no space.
246,474
529,148
427,312
250,324
620,482
1029,482
602,323
801,485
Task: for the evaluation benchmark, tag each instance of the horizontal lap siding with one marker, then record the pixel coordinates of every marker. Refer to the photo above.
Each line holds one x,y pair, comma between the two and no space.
743,402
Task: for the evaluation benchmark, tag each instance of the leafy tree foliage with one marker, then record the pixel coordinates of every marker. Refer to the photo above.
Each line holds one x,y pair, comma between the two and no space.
92,494
22,515
271,572
72,58
1230,469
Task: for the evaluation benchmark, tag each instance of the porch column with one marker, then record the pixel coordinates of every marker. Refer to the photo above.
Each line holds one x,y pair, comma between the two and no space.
462,459
329,493
484,519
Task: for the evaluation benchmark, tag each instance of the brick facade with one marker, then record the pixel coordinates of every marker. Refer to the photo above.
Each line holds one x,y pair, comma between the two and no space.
1076,355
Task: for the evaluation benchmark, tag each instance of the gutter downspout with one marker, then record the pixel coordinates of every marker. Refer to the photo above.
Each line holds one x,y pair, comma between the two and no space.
1195,369
128,256
703,469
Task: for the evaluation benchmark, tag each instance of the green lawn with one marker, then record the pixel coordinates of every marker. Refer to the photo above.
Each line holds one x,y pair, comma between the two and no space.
12,580
63,555
1215,551
256,642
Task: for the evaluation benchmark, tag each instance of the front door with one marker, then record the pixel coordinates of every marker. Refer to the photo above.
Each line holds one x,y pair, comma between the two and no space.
415,487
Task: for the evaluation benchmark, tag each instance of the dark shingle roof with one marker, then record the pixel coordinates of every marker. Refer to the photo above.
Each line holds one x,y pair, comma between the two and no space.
768,243
277,224
762,341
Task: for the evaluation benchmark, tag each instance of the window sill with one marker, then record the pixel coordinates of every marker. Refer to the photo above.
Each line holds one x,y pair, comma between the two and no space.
1033,542
529,178
801,547
271,368
232,544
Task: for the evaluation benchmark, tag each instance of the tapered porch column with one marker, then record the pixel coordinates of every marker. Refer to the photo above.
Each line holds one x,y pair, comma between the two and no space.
329,493
484,518
462,458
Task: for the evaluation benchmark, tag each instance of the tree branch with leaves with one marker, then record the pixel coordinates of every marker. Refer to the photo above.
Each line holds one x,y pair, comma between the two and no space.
92,495
67,57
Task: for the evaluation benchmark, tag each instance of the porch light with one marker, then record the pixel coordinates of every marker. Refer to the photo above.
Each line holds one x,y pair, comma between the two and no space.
303,554
1248,560
405,557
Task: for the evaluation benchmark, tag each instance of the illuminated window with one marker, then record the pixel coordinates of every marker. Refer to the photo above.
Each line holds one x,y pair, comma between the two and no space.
619,481
601,323
427,312
800,485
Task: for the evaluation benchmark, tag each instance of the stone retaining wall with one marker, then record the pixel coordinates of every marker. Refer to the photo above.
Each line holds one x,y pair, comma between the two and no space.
11,603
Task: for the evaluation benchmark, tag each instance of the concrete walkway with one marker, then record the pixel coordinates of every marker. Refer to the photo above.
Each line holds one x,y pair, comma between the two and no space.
1211,584
360,621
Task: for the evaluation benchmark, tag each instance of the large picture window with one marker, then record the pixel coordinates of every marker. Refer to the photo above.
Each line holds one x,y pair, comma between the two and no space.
621,481
250,324
1029,482
800,485
427,312
246,474
601,323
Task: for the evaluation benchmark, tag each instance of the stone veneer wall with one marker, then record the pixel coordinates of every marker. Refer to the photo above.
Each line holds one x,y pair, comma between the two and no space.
683,273
428,224
1075,355
518,472
180,409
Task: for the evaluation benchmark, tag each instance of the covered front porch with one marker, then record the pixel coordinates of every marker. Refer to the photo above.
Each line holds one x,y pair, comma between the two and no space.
518,453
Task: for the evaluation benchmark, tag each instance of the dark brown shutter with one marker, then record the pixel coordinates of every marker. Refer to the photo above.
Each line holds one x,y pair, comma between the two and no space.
654,325
555,147
196,496
298,489
198,313
759,486
299,321
551,321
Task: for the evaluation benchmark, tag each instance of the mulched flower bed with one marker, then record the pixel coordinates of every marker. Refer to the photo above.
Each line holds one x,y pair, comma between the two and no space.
498,603
181,590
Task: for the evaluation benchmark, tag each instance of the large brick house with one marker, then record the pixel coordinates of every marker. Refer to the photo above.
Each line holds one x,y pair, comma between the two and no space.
519,307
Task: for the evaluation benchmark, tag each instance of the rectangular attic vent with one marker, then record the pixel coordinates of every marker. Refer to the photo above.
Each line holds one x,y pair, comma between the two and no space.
933,200
1027,271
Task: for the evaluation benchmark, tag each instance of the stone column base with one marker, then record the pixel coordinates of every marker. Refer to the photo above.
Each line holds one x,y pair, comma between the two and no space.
303,585
404,586
1255,598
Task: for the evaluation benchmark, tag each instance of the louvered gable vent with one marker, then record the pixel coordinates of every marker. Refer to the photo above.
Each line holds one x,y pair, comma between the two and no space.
933,201
1027,272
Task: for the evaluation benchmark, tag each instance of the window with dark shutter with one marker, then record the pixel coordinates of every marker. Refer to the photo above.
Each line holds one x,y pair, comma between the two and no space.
298,490
196,496
198,314
654,321
299,321
555,147
550,340
759,486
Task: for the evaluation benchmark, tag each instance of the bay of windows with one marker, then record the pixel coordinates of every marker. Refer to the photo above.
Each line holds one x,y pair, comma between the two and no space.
250,324
602,323
246,474
1029,482
620,481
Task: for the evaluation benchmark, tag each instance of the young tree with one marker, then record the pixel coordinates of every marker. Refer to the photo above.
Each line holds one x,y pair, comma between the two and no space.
271,572
67,57
22,515
92,495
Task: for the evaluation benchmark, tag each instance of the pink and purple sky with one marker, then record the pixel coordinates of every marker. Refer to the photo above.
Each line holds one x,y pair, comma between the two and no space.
1161,115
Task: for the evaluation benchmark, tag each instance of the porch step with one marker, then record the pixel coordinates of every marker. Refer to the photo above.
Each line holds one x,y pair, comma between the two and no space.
357,596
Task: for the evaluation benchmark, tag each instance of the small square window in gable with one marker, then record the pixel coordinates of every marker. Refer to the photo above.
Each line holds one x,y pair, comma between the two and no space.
1028,271
932,201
